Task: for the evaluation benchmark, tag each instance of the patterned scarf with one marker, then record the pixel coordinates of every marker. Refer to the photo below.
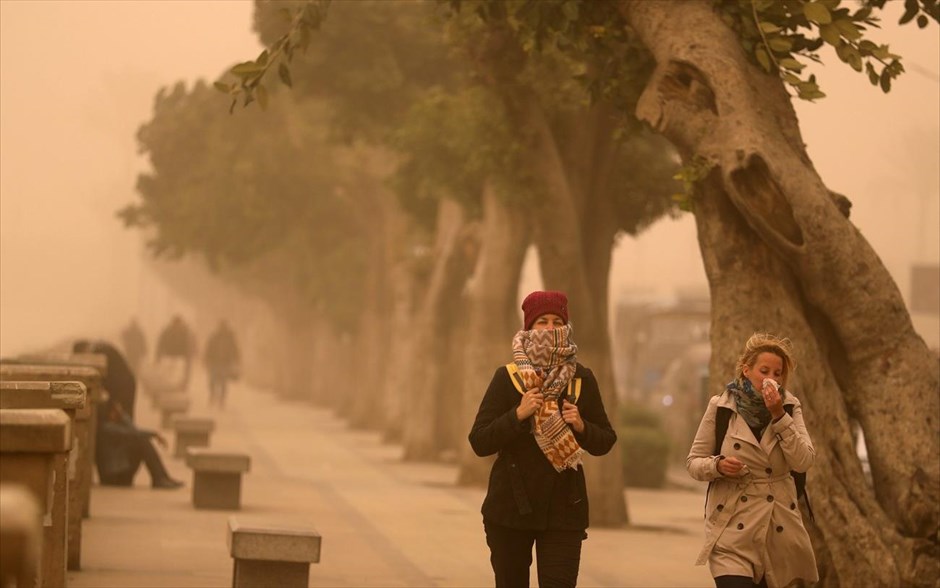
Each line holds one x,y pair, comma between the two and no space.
750,402
546,360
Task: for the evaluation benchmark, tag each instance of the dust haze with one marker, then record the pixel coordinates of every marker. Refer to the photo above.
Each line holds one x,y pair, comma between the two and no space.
79,78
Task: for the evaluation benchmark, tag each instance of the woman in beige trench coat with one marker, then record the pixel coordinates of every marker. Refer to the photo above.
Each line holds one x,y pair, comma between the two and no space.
754,533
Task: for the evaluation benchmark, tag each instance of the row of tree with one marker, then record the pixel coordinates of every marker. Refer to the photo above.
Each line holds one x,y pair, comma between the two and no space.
384,206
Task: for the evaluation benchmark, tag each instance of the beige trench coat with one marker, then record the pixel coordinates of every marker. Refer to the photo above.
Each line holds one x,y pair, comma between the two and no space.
753,525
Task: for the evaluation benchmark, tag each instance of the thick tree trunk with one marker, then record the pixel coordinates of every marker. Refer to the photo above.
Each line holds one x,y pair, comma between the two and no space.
382,214
557,234
561,222
491,316
429,386
781,256
401,354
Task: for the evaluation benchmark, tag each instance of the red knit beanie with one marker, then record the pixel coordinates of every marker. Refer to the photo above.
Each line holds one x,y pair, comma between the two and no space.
544,302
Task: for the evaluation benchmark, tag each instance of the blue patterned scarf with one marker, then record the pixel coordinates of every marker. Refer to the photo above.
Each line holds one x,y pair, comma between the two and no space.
750,402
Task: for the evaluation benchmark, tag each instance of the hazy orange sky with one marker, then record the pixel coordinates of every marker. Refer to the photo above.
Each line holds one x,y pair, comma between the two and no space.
78,77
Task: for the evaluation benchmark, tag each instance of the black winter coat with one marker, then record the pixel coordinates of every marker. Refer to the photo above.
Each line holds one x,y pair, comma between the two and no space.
525,491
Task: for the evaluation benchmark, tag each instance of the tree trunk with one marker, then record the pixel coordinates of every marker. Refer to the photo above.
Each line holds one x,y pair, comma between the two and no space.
429,386
492,316
561,223
381,212
401,358
781,256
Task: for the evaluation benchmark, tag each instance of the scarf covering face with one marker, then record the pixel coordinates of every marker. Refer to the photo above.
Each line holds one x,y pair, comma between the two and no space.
750,402
546,360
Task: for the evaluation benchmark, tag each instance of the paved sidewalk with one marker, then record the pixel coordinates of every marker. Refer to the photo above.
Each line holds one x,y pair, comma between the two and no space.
383,522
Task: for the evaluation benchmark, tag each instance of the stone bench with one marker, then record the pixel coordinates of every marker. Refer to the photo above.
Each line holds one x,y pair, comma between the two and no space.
269,553
171,405
34,447
86,432
71,398
20,536
98,361
191,432
217,477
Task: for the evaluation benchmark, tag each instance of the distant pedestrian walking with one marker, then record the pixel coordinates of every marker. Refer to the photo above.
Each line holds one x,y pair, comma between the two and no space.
178,344
751,438
540,413
222,361
135,345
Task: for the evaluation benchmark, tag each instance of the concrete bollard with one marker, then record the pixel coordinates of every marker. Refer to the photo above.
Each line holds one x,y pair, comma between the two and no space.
86,432
34,447
191,432
217,477
267,553
20,536
71,398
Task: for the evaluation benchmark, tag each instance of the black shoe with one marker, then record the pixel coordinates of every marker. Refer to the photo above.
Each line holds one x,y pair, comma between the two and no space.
167,483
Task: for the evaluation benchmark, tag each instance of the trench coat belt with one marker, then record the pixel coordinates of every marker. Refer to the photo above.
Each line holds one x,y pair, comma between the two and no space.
719,519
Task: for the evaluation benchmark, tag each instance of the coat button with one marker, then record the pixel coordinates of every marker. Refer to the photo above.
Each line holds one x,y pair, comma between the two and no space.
792,506
744,499
737,446
740,526
770,498
769,471
720,507
779,529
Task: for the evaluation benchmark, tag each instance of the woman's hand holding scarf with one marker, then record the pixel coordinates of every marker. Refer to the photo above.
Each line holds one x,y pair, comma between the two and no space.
572,416
530,404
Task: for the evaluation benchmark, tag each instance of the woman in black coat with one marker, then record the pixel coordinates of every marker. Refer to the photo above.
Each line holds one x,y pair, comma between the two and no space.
540,414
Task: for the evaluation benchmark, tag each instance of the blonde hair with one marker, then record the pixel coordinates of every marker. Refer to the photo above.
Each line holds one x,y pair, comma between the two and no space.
766,343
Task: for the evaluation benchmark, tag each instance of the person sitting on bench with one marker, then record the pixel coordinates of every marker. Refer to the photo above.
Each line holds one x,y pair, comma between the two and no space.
121,447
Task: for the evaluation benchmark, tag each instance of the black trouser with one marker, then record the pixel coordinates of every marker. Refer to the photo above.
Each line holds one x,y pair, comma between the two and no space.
738,582
132,448
558,554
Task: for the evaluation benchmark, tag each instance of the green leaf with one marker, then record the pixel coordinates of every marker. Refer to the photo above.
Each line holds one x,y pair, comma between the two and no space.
246,69
910,11
791,79
830,34
817,12
848,29
283,72
855,61
790,63
769,27
885,82
922,21
780,44
763,59
263,58
222,87
830,4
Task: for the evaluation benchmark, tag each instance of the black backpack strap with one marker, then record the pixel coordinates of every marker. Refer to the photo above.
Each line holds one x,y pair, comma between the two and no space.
799,478
722,417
